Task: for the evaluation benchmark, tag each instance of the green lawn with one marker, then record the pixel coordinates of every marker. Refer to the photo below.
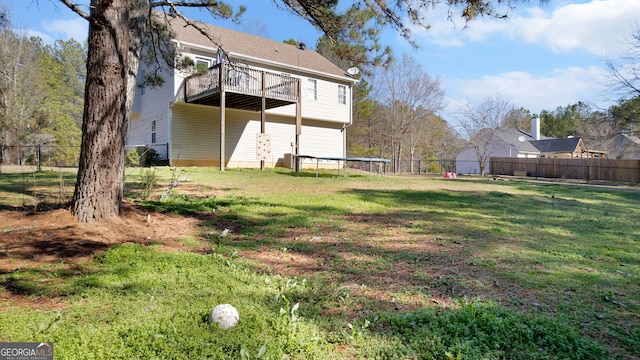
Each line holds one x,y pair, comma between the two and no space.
351,267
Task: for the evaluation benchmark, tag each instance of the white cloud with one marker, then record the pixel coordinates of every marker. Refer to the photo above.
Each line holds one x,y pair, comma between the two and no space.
77,29
46,38
560,87
596,27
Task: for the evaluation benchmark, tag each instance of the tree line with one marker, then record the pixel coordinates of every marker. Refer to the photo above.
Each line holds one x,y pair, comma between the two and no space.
610,130
41,96
396,117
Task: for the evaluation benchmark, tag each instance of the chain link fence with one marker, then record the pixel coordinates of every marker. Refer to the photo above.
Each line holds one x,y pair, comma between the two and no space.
423,167
43,176
29,158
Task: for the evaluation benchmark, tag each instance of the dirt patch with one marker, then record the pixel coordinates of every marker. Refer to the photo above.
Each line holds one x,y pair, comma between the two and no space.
32,239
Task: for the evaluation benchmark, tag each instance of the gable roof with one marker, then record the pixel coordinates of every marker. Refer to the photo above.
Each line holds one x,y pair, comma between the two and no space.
236,43
625,146
517,138
524,142
559,145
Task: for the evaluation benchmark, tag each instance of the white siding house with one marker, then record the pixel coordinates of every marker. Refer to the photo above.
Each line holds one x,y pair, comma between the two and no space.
504,143
467,158
519,144
250,94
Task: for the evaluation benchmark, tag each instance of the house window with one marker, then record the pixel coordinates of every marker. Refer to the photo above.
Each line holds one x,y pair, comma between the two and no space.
312,89
342,94
143,80
153,132
202,64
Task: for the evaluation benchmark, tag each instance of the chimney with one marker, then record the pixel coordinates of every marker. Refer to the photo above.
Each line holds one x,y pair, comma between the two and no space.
535,128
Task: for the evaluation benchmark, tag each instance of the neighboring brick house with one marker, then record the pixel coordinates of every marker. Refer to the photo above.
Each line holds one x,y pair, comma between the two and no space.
244,103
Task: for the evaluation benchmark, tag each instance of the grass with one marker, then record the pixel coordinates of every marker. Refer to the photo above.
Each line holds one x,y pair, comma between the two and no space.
381,267
135,302
35,188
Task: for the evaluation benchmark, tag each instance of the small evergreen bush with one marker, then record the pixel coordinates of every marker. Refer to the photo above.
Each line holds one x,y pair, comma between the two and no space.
143,156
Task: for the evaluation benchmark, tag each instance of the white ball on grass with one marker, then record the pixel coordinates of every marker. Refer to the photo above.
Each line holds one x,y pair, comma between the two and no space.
224,315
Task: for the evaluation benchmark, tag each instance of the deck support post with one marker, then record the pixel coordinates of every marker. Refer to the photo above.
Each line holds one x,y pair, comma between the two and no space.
263,115
222,119
298,126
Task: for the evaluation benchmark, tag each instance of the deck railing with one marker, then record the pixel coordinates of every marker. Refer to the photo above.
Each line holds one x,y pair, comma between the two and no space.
200,84
242,79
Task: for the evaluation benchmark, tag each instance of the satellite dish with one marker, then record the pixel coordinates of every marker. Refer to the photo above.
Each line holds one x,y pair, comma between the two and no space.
353,71
522,138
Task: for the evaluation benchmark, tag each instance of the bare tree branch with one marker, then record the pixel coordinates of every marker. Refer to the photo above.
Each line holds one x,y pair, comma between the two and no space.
625,76
479,124
76,9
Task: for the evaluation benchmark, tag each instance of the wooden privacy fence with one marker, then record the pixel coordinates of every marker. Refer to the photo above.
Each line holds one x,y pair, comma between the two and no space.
585,169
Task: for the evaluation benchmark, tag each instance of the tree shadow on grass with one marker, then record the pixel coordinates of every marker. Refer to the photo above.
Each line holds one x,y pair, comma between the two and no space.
422,246
533,252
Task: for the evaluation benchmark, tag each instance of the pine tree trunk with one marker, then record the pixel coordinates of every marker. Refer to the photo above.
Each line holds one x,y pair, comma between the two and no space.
100,184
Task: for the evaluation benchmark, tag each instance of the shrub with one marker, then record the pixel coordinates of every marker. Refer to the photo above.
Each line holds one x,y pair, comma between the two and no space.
143,156
132,159
148,182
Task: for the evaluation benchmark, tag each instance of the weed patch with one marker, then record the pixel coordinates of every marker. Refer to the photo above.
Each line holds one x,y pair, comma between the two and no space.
484,330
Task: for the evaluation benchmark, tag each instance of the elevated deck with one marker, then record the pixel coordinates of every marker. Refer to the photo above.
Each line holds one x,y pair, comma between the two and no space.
244,87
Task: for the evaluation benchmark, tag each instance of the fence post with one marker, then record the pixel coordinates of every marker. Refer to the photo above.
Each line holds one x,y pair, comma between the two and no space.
38,158
588,169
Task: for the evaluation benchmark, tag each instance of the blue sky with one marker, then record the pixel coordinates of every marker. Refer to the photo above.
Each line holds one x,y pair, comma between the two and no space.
540,58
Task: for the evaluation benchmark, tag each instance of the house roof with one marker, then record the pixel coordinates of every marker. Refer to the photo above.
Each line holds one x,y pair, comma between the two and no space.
559,145
625,146
517,138
524,142
238,43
